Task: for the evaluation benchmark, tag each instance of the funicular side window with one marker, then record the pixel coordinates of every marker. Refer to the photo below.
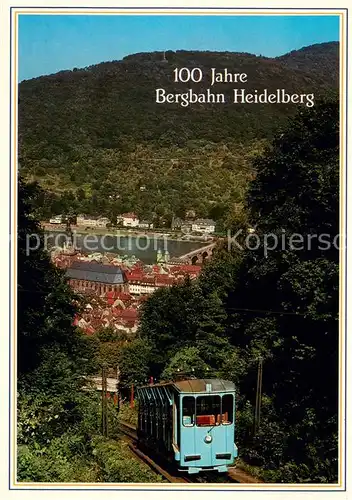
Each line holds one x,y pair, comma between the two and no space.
188,411
227,409
208,411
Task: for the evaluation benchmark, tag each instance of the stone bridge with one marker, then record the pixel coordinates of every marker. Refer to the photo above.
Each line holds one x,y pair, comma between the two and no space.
198,256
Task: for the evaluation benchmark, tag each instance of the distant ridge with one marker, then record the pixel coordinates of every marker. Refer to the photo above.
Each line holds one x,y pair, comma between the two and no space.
122,96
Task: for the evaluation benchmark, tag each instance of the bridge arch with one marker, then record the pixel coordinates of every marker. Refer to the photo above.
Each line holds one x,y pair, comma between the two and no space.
199,256
205,256
194,260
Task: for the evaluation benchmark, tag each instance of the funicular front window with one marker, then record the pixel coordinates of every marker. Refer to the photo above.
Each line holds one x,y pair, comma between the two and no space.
188,411
208,411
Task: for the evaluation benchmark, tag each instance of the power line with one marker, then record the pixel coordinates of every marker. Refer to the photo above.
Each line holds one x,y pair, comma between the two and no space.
269,311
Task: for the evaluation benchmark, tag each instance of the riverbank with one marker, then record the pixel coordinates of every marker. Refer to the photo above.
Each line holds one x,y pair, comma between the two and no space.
143,247
61,228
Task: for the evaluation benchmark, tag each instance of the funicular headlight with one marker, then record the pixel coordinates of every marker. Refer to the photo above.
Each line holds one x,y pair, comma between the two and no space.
208,438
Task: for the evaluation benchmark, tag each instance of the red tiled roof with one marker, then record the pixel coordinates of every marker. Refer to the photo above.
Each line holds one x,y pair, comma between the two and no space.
186,268
138,265
163,279
129,215
95,322
113,295
129,313
135,275
89,330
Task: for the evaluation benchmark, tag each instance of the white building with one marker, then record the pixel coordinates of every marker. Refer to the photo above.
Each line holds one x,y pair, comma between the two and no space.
58,219
86,220
145,224
205,226
128,220
89,220
141,288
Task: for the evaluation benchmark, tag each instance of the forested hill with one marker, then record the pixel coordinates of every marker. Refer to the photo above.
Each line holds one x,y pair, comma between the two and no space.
95,125
320,60
99,104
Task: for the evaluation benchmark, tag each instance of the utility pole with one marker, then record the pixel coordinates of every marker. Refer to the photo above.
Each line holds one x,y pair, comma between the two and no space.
132,397
258,398
104,405
118,387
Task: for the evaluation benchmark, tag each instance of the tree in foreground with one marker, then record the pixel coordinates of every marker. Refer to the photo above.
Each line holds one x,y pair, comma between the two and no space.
46,305
285,306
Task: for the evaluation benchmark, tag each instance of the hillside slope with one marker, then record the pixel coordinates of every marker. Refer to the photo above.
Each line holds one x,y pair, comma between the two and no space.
95,135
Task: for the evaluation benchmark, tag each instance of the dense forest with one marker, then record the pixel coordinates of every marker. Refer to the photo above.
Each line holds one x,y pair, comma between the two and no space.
94,136
277,307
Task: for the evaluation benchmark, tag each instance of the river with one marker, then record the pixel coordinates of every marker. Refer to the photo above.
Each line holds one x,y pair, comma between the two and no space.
143,247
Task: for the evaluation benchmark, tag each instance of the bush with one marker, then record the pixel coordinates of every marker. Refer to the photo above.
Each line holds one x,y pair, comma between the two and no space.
127,414
118,465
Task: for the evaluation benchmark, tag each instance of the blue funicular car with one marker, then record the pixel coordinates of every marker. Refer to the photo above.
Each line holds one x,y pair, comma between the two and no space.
190,422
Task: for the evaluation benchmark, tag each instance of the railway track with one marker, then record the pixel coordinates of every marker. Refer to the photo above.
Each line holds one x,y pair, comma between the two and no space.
130,431
234,475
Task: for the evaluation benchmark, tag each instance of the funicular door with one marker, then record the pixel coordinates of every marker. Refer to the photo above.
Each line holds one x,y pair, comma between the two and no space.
187,432
223,437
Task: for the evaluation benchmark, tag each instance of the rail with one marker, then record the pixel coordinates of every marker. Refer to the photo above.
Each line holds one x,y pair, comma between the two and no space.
131,432
234,474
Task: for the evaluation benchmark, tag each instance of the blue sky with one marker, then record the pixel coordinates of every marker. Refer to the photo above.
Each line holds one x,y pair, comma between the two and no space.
50,43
